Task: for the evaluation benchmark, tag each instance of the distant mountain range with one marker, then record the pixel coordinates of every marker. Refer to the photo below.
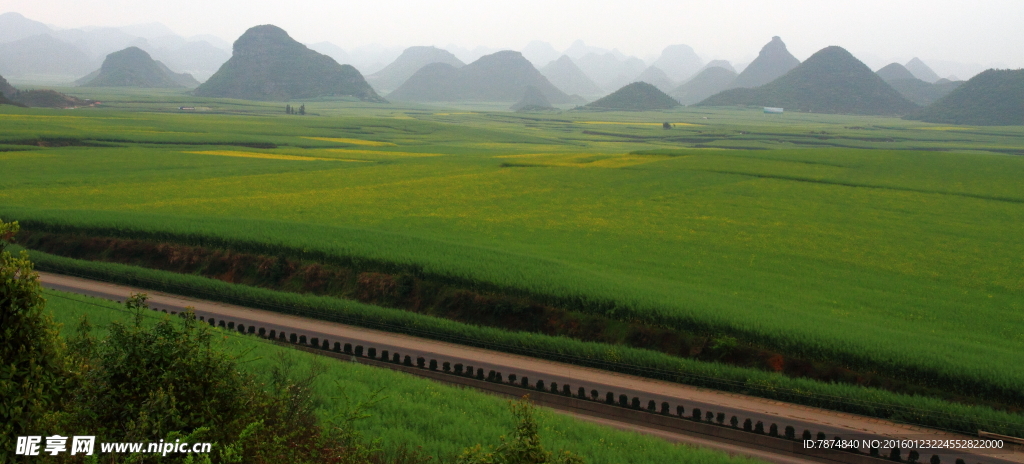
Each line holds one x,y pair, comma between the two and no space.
133,67
638,96
533,100
894,72
499,77
705,84
540,54
44,55
771,63
569,78
410,61
914,89
267,64
830,81
679,62
921,70
31,50
655,76
609,71
992,98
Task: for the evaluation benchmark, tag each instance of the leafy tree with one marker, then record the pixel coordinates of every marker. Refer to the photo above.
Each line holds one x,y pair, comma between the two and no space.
32,368
302,109
523,447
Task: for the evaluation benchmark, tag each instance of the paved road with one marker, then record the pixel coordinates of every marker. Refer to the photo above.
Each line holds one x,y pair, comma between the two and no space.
757,409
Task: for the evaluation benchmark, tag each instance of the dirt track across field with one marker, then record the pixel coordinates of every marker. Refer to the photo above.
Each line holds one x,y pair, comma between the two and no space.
758,409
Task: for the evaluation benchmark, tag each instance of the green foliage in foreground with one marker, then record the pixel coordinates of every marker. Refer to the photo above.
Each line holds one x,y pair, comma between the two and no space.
165,382
871,402
523,447
410,413
31,352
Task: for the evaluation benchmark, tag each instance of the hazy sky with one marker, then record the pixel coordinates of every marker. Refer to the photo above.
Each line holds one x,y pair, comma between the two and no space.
987,32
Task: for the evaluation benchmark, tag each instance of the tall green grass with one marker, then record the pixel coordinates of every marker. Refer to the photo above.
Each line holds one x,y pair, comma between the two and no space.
871,402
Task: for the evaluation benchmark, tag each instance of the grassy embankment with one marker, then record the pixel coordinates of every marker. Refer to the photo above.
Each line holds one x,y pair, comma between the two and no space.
440,420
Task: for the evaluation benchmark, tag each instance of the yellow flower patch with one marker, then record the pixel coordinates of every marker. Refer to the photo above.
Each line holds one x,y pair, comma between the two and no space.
402,154
369,143
246,154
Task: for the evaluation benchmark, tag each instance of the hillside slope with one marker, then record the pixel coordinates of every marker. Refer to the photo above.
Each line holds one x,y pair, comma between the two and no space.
6,89
638,96
658,78
772,62
533,100
830,81
267,64
43,55
992,98
498,77
893,72
705,84
569,78
411,60
133,67
923,93
921,70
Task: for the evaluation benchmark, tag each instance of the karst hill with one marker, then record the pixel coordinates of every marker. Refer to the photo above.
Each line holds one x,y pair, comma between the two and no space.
992,98
638,96
498,77
267,64
133,67
830,81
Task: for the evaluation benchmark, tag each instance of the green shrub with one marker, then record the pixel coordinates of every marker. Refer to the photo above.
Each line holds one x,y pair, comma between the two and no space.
32,355
523,445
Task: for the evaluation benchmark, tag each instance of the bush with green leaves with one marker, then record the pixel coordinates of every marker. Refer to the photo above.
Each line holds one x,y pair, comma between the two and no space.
523,446
32,369
151,382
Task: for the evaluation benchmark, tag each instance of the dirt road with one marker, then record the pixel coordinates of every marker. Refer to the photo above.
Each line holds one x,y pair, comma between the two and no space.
816,420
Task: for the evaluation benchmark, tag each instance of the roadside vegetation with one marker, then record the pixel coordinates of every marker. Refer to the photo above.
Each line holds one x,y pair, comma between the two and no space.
128,374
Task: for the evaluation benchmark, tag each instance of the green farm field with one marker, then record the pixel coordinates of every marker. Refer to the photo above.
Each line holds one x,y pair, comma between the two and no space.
879,244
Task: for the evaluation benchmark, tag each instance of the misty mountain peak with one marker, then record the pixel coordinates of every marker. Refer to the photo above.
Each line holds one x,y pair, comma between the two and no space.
263,37
773,61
